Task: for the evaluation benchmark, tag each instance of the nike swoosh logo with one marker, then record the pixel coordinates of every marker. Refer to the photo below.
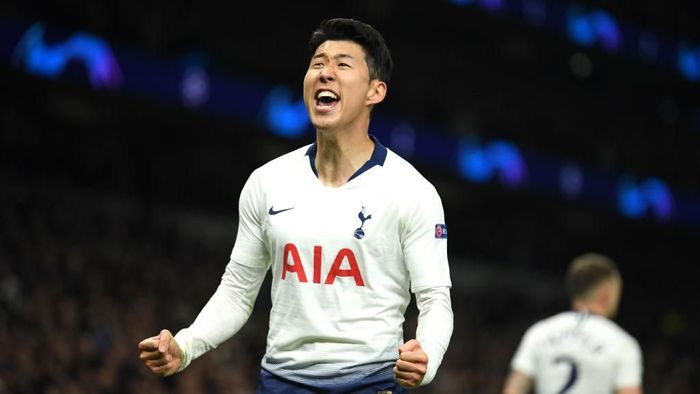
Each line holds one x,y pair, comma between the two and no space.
273,212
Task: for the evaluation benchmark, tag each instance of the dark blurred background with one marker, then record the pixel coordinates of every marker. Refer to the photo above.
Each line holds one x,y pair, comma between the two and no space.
550,128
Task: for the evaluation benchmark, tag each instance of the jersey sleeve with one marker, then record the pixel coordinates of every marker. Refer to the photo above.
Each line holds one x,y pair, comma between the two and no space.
424,241
630,368
232,303
225,313
435,325
524,358
249,248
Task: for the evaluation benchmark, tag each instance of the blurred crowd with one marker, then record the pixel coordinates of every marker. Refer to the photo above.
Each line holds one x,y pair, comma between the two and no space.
84,276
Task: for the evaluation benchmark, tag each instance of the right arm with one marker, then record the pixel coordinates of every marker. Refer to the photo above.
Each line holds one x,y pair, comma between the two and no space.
223,316
522,366
230,306
225,313
517,383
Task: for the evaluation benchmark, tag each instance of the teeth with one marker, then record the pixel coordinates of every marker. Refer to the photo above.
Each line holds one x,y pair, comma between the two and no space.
326,93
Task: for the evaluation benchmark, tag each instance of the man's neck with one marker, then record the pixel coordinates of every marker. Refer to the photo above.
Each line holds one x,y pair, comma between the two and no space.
590,307
339,154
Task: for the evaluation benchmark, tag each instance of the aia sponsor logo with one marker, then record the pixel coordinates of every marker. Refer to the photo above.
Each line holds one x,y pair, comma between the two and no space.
344,265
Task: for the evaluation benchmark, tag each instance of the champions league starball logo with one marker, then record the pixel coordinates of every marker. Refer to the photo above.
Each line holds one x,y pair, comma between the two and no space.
359,233
440,231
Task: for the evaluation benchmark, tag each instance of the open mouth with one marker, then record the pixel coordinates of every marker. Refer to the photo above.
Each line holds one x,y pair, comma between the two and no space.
326,99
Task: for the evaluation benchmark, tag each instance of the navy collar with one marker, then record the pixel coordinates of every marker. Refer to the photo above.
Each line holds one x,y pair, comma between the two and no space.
377,159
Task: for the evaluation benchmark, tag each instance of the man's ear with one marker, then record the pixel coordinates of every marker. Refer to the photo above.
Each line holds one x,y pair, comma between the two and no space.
376,92
604,296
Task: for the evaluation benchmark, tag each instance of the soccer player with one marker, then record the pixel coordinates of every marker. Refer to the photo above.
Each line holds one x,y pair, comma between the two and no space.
580,351
348,229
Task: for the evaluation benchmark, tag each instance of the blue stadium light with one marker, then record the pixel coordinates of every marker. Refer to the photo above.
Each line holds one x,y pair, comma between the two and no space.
579,27
499,158
492,5
535,12
195,82
650,196
571,180
284,116
689,62
648,47
659,197
587,28
195,86
591,27
403,140
474,165
49,61
630,200
507,159
607,30
463,3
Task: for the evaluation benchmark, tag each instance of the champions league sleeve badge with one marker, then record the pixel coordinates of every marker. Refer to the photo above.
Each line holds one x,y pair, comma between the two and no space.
440,231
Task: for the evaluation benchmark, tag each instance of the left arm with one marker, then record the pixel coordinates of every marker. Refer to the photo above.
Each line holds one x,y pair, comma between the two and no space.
424,242
517,383
420,358
629,378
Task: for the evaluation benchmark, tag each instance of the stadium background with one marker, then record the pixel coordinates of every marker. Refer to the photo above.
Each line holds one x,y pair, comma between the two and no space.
550,128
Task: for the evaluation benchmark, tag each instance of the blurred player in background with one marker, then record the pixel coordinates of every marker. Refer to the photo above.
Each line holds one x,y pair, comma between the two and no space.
348,230
580,351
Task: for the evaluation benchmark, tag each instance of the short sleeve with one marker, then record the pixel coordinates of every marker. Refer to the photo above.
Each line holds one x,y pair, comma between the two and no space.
249,248
424,241
630,367
524,358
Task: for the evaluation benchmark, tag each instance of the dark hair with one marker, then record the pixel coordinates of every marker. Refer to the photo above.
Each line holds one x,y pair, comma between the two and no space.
587,271
377,53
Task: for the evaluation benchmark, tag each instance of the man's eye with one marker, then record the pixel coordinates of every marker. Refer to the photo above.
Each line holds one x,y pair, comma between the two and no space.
344,65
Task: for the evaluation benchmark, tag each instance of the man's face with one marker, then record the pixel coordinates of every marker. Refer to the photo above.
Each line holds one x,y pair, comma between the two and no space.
337,88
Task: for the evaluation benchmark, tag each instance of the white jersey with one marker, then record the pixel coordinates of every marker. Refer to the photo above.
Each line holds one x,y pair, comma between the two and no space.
579,353
342,260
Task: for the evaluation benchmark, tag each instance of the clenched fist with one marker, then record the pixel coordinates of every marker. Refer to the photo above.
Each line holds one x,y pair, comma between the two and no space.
412,364
161,354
